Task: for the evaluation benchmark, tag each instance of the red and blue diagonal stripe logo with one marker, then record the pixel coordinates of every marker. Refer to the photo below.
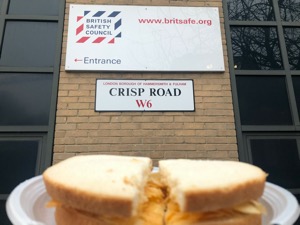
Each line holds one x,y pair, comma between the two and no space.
80,28
98,27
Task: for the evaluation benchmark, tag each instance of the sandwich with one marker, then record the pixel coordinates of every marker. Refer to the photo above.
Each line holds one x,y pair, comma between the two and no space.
208,192
104,190
123,190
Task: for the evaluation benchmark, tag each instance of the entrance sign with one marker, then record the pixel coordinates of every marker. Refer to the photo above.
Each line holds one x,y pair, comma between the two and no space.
144,38
144,95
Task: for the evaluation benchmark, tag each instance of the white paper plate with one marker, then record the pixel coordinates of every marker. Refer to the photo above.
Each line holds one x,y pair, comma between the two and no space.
26,205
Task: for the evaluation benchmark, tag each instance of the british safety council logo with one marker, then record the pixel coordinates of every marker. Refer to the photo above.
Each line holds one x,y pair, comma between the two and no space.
98,27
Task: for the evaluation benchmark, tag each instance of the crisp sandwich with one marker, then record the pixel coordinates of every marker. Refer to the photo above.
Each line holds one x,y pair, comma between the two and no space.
115,190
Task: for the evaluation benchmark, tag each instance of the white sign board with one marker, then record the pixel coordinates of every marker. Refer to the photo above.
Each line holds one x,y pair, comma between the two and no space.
144,38
144,95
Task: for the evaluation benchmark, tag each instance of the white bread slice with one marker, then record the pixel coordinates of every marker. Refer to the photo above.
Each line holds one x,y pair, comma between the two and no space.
236,219
208,185
246,214
99,184
150,212
70,216
229,219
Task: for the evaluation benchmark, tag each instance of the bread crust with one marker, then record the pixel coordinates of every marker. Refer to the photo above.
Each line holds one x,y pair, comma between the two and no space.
241,219
69,216
210,200
98,204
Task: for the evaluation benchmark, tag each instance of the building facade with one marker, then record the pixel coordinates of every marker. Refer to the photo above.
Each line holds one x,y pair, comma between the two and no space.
248,112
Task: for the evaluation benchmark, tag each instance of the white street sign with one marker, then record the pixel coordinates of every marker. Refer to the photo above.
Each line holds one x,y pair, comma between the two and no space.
144,95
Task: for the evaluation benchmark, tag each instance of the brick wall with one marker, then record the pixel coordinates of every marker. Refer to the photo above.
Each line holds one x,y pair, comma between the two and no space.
209,132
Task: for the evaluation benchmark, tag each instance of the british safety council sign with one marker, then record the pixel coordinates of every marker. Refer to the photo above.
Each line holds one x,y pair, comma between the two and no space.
144,95
144,38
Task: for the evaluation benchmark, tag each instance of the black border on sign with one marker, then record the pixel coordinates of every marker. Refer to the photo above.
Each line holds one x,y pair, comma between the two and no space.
192,110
